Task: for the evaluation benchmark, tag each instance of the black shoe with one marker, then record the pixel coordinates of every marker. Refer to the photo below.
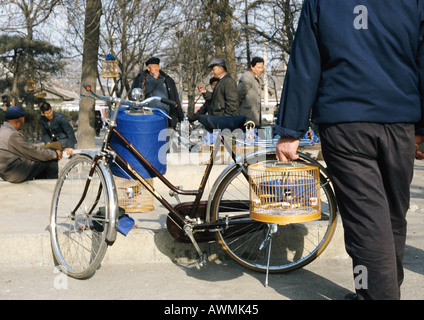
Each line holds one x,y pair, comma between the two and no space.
351,296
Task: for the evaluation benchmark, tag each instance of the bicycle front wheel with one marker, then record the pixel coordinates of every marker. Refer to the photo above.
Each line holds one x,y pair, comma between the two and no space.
245,240
80,218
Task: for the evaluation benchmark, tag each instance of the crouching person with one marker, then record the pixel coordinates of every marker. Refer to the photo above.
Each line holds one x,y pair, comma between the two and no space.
20,160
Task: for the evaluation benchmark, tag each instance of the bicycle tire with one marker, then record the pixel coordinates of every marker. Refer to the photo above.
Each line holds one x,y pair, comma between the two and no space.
293,245
79,241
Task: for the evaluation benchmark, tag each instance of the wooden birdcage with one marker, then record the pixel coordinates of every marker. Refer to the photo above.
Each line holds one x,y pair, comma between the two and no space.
31,85
284,193
110,69
133,196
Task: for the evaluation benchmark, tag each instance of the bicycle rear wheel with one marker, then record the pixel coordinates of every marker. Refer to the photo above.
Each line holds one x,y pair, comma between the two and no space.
293,245
78,238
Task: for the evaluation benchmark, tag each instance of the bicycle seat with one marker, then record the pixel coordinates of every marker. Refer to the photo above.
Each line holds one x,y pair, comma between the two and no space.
222,122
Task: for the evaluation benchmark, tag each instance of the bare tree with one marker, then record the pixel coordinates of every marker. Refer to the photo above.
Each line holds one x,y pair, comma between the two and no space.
190,50
223,32
131,31
274,21
22,17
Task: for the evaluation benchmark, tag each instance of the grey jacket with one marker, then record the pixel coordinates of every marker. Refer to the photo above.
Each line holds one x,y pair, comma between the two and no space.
249,92
224,99
18,158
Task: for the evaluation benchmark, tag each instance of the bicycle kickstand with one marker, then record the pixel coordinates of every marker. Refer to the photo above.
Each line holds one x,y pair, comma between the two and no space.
188,229
272,228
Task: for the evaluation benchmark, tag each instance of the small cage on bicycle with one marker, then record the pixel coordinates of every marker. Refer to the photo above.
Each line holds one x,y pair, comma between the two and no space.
133,196
284,193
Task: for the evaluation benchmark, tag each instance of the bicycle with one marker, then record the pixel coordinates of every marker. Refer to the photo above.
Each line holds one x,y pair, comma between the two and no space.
84,211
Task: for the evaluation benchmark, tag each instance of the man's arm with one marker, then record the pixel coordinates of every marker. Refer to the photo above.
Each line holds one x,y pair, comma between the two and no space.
302,78
419,128
45,135
300,85
69,131
243,87
19,146
231,97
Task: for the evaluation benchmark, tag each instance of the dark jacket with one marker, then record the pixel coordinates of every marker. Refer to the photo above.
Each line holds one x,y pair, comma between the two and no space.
58,129
224,99
19,158
354,61
176,112
204,109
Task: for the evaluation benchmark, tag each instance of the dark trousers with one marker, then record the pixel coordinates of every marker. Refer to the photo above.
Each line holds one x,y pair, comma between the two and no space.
371,166
44,170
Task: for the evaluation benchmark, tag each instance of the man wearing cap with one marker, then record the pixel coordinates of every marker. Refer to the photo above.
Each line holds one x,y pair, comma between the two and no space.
155,82
19,160
224,98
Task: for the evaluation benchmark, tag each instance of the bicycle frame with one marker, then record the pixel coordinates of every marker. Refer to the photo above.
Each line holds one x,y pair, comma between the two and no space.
176,216
79,245
185,223
110,152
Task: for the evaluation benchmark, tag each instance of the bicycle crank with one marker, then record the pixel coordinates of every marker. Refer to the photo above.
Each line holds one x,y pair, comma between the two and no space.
201,262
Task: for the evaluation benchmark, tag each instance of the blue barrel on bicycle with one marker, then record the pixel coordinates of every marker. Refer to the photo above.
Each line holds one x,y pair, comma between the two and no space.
148,134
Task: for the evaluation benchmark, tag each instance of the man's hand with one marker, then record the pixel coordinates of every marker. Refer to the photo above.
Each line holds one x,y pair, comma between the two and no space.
202,89
69,151
286,149
59,154
418,140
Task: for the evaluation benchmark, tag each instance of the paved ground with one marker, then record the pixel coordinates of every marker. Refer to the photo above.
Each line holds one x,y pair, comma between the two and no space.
148,263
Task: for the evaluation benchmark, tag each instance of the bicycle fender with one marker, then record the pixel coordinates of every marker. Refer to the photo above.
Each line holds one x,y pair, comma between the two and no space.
113,197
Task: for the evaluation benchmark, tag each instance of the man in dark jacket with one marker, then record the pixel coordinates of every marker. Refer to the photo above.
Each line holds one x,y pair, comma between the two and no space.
19,160
205,108
359,66
155,82
55,127
224,98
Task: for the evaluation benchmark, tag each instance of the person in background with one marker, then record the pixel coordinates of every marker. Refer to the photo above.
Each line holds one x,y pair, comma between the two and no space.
224,98
19,160
155,82
207,95
56,131
249,92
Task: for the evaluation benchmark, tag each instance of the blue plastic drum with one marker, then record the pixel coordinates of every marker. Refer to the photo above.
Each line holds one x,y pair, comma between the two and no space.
143,131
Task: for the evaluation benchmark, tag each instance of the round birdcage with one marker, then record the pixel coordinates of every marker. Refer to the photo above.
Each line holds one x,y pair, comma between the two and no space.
133,196
284,193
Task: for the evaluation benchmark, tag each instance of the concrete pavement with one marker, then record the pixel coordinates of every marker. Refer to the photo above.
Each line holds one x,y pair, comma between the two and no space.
149,258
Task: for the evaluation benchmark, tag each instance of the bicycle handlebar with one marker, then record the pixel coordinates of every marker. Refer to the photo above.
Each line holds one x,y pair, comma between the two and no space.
138,104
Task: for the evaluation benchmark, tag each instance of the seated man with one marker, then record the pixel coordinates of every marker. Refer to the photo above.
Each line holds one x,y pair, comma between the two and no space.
204,109
55,127
19,160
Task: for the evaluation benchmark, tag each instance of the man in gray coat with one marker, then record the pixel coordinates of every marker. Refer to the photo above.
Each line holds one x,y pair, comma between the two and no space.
249,92
19,160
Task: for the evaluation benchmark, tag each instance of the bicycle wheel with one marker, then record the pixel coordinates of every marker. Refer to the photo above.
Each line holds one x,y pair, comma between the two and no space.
79,239
293,245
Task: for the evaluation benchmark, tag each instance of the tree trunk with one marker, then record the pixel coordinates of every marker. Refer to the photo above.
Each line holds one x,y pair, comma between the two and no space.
191,96
86,130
